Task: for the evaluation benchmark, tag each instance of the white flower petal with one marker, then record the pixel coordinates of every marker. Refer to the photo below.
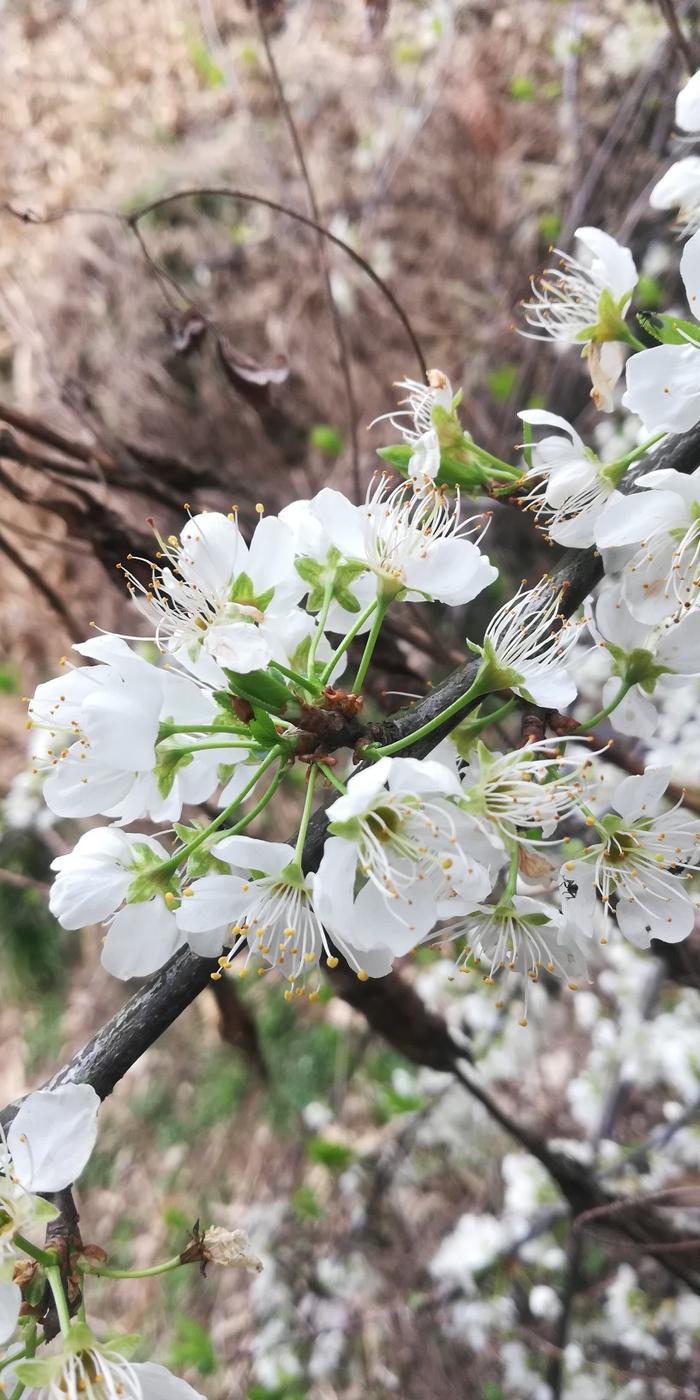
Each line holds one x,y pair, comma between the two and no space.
52,1136
663,387
157,1383
10,1299
141,938
639,795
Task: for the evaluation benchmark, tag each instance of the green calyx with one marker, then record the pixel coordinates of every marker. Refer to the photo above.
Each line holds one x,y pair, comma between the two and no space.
334,573
611,320
293,876
492,675
242,592
151,878
637,667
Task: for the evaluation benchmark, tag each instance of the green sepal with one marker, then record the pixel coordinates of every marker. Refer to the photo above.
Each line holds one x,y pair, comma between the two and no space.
637,667
611,320
168,764
259,688
242,591
204,862
127,1344
262,729
39,1374
398,455
350,830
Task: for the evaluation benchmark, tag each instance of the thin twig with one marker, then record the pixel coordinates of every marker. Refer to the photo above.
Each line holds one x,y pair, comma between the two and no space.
244,197
682,43
38,581
338,328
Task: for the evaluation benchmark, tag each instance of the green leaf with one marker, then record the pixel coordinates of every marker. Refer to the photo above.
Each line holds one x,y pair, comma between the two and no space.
192,1347
334,1155
671,330
501,382
327,438
522,89
206,69
260,688
305,1203
648,293
549,228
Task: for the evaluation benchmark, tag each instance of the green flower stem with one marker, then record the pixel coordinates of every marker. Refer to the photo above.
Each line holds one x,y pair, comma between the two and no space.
88,1266
306,814
330,775
617,699
370,644
512,881
169,867
640,451
53,1274
16,1356
474,693
165,730
347,639
45,1257
627,337
320,623
18,1391
475,726
295,677
498,467
212,744
260,804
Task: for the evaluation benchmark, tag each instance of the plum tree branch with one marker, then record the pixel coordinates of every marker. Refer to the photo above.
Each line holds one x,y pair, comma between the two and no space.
390,1005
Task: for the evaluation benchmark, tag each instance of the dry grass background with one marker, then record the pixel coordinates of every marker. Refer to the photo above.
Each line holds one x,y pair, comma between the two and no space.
446,151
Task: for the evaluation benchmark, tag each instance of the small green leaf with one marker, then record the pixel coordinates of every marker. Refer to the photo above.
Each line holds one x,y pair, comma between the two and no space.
305,1203
549,228
522,88
501,382
334,1155
648,293
206,69
192,1347
327,439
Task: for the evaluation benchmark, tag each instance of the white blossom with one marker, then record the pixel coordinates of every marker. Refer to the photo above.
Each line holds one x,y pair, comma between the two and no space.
52,1136
663,383
566,299
85,1367
398,853
416,545
92,883
568,488
510,793
641,858
679,189
269,904
660,524
522,935
526,647
217,602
